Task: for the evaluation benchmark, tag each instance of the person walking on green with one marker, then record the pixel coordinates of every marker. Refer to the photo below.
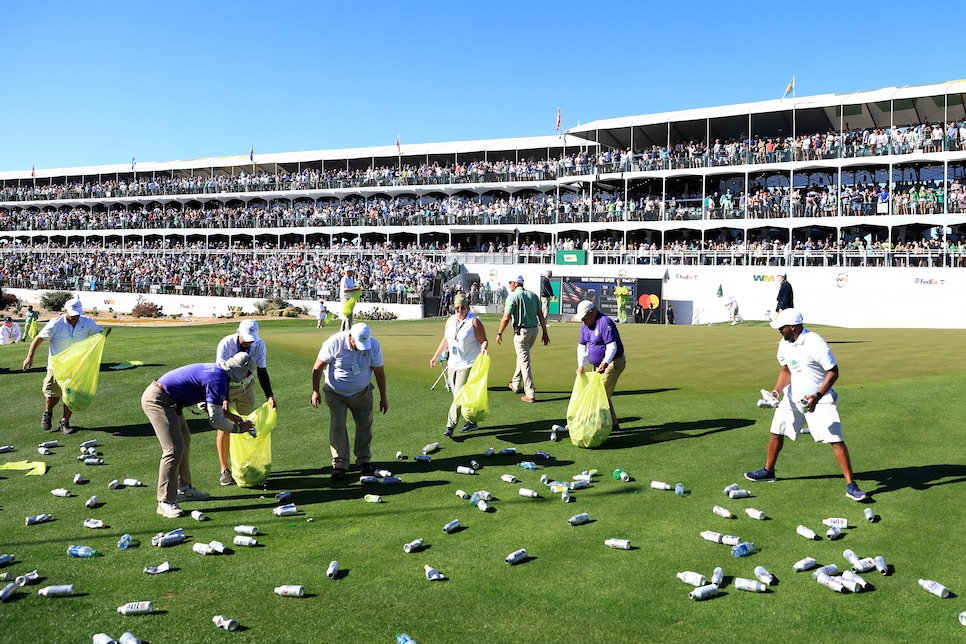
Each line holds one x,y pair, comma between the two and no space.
523,309
621,293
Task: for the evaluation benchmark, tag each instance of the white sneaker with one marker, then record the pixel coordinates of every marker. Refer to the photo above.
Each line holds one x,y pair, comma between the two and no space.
169,510
191,493
226,478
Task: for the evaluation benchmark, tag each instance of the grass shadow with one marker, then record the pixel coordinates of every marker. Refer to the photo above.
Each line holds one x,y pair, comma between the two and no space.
637,437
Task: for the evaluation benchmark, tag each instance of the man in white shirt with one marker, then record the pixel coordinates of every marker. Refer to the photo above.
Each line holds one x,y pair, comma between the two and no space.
348,293
348,360
9,332
807,375
62,331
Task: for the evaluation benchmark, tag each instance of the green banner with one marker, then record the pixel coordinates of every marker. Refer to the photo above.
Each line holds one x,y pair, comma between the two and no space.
572,257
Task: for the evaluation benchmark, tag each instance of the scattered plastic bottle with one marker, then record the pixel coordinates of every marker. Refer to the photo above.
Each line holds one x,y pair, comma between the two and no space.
61,492
831,583
6,448
402,638
509,478
452,525
722,512
57,591
8,591
250,530
28,578
44,451
224,622
217,546
751,585
489,451
806,532
400,456
516,556
739,494
132,483
804,564
508,450
743,549
869,515
730,540
712,536
577,519
91,502
422,458
5,559
483,506
113,485
727,490
413,546
432,574
286,510
81,551
660,485
202,548
704,592
78,479
373,498
831,570
543,455
851,576
618,544
836,522
475,465
135,608
198,515
864,565
717,577
881,565
527,492
679,489
527,465
463,469
621,473
333,570
584,477
462,494
695,579
290,590
241,540
764,576
391,480
94,524
565,495
833,533
578,485
755,514
103,638
429,449
382,473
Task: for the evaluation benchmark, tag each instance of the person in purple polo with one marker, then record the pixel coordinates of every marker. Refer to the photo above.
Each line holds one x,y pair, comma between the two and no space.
600,348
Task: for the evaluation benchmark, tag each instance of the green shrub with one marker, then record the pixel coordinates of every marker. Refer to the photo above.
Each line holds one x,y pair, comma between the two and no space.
55,300
270,304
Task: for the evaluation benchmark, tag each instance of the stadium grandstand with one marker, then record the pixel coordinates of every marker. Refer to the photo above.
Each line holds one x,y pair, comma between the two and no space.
859,198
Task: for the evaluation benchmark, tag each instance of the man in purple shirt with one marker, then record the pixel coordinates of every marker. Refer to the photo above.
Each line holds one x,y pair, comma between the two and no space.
163,401
600,348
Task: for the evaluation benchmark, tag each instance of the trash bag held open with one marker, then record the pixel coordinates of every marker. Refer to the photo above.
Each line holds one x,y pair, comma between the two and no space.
588,414
473,397
350,304
251,458
76,369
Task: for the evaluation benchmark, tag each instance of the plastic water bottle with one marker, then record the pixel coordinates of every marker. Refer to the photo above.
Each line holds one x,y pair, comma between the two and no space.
880,565
402,638
81,551
869,515
124,542
704,592
725,513
691,578
333,570
527,492
577,519
290,590
516,556
764,576
743,549
508,450
225,622
806,532
373,498
717,576
679,489
804,564
755,514
837,522
751,585
413,546
422,458
429,449
660,485
831,570
527,465
712,536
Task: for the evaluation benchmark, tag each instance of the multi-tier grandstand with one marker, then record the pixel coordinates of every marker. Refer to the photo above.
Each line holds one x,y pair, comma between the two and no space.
860,198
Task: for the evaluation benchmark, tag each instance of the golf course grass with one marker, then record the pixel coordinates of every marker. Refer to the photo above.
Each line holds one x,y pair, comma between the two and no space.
687,412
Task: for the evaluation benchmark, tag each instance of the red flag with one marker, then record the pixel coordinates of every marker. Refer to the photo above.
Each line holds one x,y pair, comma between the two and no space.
33,171
398,148
558,119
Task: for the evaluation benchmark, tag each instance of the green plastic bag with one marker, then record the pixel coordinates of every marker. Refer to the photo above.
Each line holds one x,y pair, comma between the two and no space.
350,304
76,369
31,331
251,458
588,414
473,397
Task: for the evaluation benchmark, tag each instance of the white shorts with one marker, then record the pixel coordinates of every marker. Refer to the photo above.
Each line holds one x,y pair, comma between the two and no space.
823,423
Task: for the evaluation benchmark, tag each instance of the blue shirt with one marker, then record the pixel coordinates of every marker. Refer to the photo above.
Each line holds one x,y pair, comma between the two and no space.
597,336
195,383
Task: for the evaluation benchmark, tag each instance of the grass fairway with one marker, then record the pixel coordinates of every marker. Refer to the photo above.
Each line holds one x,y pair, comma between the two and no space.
687,409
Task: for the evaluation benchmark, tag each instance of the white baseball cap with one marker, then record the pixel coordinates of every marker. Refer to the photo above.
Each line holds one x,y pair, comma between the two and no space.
248,330
585,307
361,334
518,279
788,317
73,307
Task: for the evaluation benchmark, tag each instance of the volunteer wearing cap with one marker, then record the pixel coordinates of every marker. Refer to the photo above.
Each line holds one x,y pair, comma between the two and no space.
241,395
348,292
323,313
546,293
600,348
522,308
9,331
465,338
62,331
786,297
163,401
807,375
348,360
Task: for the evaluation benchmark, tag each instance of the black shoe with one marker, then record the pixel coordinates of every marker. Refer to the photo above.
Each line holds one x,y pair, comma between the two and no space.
45,421
367,469
448,433
338,474
66,427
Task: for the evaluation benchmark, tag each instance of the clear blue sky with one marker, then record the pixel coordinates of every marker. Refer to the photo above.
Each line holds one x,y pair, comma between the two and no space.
88,83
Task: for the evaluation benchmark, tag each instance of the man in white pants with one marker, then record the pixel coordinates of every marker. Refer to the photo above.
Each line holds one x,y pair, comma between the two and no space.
808,371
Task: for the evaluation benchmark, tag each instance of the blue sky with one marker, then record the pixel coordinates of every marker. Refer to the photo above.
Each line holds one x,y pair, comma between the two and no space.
88,83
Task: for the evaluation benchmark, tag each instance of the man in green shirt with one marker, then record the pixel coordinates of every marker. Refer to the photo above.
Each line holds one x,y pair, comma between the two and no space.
621,293
523,310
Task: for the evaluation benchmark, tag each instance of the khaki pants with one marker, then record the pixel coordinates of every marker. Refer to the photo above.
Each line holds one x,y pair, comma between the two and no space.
360,404
523,341
610,376
457,378
171,428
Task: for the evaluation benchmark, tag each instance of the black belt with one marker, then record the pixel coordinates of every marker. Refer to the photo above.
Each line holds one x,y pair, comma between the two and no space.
517,328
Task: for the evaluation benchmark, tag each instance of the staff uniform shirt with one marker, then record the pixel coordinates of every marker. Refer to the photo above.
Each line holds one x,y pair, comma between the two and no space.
463,345
809,358
346,284
9,334
61,334
200,382
347,371
522,305
594,340
230,345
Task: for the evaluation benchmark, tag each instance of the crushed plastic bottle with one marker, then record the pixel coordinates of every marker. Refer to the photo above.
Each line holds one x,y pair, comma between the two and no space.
743,549
81,551
527,465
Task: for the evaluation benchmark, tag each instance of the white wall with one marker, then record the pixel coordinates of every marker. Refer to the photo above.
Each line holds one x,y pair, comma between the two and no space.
924,298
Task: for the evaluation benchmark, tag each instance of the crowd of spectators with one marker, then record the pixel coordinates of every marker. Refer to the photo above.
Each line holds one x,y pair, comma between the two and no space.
851,142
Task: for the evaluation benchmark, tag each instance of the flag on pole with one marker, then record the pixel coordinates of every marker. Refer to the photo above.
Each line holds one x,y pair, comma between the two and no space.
251,154
558,119
790,89
398,146
133,163
33,170
667,276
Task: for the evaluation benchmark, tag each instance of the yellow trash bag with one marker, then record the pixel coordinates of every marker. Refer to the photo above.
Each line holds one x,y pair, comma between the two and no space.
76,369
350,304
31,331
588,414
251,458
473,397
